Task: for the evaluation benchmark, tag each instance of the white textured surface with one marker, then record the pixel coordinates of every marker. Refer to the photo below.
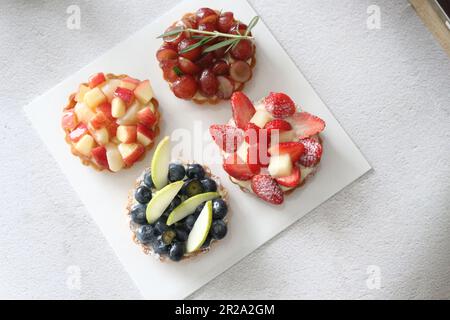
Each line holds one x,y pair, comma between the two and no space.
389,88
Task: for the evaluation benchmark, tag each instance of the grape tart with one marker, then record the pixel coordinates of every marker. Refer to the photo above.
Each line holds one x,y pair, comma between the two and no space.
203,76
178,212
269,148
111,121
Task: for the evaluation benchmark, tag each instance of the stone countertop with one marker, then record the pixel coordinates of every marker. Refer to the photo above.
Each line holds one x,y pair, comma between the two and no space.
385,236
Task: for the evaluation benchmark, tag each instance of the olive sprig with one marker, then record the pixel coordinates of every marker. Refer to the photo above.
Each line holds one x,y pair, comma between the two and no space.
207,36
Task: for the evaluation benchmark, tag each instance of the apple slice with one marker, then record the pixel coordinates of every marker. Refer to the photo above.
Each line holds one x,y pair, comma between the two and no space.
99,155
160,163
129,83
144,92
115,161
131,152
147,117
84,114
98,121
187,207
118,108
101,136
82,89
200,230
161,200
126,134
145,136
85,145
78,133
96,80
109,88
130,116
261,117
69,120
280,165
94,97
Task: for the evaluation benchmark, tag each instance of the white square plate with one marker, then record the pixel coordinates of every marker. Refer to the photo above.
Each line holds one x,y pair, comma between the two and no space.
253,222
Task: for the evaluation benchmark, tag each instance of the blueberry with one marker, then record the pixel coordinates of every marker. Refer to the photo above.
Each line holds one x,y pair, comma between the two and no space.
207,242
138,213
160,226
143,195
159,246
199,208
192,188
175,203
168,236
177,251
148,180
182,233
219,208
218,229
176,172
190,220
145,234
209,185
195,171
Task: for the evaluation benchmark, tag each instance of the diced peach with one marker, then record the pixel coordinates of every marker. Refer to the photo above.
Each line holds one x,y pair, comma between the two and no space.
126,134
99,155
109,87
147,117
118,108
96,79
125,94
82,89
94,97
101,136
145,136
69,120
78,133
115,161
98,121
85,145
144,92
131,152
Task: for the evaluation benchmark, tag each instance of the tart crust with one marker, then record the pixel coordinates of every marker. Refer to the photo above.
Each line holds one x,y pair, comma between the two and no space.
147,249
87,161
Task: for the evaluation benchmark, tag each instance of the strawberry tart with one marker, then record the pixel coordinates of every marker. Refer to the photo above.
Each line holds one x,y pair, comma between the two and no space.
270,147
207,55
177,210
111,121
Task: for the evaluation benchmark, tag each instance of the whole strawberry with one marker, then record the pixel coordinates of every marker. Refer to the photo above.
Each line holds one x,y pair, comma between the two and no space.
279,105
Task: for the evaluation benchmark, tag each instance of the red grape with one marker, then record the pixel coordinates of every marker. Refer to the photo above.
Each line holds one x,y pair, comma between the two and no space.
208,83
220,53
226,87
240,71
225,22
205,15
205,60
166,53
243,50
192,54
187,66
175,39
185,87
221,68
238,26
168,72
207,27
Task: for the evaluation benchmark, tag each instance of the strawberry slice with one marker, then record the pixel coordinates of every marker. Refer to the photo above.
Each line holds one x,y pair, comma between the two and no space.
266,188
243,109
227,137
256,135
294,149
278,124
280,105
292,180
307,125
257,157
237,168
313,152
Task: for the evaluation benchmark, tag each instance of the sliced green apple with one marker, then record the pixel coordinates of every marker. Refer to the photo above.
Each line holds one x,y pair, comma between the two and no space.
160,164
200,231
188,206
161,200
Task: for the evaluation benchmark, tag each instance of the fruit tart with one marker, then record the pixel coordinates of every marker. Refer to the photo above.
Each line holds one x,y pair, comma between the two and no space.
207,55
269,148
177,210
111,121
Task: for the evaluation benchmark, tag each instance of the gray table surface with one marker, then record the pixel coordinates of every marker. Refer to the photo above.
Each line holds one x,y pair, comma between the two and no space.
388,87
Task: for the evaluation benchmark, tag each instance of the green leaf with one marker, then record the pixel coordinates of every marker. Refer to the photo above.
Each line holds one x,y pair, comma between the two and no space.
220,45
173,32
196,45
251,25
178,71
